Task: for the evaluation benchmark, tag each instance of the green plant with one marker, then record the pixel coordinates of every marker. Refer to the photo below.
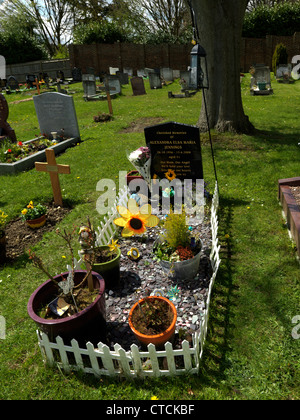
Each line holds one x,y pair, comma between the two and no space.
12,152
31,212
176,230
280,56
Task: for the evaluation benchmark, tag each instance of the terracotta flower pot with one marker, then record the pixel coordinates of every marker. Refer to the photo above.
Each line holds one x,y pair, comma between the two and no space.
86,325
36,223
133,175
109,270
157,339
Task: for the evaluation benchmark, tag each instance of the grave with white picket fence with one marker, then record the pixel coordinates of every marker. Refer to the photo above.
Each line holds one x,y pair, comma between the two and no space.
135,363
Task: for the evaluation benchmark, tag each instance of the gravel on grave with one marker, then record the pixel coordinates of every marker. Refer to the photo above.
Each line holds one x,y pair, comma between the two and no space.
142,277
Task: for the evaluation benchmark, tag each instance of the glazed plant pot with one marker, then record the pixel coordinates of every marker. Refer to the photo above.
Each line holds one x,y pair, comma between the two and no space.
86,325
109,270
36,223
157,339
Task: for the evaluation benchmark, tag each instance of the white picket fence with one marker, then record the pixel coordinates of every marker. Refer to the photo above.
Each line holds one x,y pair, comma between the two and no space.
102,361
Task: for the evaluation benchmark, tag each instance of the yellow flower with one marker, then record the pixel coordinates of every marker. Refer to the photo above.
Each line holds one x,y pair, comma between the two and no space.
30,205
135,219
154,397
114,246
24,211
63,256
170,174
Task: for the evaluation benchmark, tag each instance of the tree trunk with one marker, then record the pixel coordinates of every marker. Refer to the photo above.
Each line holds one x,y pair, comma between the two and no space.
219,25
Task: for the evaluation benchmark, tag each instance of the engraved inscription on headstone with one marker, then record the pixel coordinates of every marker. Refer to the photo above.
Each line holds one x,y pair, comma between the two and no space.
56,112
175,151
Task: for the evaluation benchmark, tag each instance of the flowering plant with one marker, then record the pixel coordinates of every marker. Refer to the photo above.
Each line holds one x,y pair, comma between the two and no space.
31,212
16,151
3,217
141,159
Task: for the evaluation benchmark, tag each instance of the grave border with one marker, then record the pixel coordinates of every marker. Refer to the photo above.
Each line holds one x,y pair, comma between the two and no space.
128,364
28,162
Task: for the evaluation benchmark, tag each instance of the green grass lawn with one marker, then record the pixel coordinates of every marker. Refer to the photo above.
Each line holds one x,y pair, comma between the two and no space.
250,352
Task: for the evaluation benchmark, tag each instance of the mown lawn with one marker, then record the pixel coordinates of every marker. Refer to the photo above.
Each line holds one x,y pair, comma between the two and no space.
250,352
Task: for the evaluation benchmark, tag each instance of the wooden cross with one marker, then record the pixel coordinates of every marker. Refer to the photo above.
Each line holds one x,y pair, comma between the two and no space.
36,83
54,169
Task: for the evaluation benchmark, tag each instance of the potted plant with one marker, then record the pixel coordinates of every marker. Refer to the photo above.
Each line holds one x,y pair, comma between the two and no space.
153,320
71,304
177,249
3,217
34,216
134,174
106,258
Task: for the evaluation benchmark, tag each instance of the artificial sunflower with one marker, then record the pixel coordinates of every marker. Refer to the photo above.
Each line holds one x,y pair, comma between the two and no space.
135,219
170,174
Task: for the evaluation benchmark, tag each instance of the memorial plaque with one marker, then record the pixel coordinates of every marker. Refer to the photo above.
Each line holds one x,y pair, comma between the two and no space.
56,112
138,87
175,151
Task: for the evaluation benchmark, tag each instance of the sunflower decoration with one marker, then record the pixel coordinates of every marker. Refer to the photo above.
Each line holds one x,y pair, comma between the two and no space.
135,219
170,174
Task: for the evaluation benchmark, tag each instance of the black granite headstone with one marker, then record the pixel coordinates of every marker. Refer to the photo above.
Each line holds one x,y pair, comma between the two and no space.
175,151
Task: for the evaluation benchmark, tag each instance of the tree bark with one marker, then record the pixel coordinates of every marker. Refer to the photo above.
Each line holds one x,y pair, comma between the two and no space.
219,25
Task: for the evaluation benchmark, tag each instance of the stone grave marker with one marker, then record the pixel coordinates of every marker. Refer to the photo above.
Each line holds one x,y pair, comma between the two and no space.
175,151
89,85
123,77
12,83
113,85
167,74
53,169
138,87
128,70
56,113
261,81
76,74
5,128
155,81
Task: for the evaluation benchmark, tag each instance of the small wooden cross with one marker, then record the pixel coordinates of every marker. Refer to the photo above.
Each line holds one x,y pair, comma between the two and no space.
36,83
54,169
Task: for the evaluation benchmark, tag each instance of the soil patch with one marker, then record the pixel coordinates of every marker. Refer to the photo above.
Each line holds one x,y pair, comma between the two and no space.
139,125
19,236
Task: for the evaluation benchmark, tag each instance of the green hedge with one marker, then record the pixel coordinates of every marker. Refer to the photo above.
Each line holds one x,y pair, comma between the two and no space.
283,19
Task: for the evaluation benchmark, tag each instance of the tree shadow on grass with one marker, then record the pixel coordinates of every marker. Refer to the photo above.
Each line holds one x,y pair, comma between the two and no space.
273,137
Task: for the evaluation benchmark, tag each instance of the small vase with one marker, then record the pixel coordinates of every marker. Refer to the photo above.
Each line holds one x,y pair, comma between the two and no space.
36,223
2,249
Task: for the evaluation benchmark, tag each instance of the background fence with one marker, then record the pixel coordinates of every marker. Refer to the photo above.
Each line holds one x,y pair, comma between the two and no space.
102,361
138,56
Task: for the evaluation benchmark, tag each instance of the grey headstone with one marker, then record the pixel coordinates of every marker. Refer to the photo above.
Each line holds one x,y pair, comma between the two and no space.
138,87
76,74
123,77
167,74
154,81
113,84
89,84
56,112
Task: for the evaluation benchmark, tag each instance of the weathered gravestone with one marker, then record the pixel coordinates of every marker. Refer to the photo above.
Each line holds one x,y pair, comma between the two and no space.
261,81
167,74
138,87
175,151
123,77
155,81
12,83
113,85
5,128
56,113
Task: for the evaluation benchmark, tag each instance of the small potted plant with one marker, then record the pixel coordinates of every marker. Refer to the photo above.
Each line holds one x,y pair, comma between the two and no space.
70,304
153,320
3,218
177,249
106,258
34,216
